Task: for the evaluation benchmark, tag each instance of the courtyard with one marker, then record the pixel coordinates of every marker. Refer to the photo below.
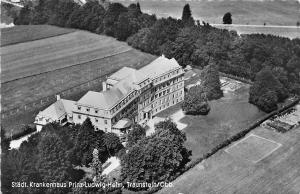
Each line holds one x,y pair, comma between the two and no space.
229,115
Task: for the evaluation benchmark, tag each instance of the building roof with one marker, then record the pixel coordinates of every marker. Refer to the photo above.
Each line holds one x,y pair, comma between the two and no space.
107,99
130,74
123,123
126,80
56,110
122,73
159,66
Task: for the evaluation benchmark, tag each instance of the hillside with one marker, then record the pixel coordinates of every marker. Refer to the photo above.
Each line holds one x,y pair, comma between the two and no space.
244,12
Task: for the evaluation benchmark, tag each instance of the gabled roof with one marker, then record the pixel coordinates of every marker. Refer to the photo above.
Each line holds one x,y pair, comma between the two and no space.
122,73
159,66
107,99
56,110
132,75
126,80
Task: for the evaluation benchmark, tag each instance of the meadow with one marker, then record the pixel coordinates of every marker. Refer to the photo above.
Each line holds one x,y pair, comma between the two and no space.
229,173
26,33
49,54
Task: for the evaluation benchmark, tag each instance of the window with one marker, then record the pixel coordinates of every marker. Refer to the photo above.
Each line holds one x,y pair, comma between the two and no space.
79,108
105,122
79,116
96,111
88,110
96,120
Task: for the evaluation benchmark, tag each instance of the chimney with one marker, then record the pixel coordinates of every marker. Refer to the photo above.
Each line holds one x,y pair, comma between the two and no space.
57,97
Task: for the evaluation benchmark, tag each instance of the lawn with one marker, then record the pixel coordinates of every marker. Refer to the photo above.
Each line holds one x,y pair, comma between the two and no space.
253,148
229,115
277,173
26,33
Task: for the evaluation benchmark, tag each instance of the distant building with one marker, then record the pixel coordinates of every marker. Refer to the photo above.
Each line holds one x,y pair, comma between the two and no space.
131,95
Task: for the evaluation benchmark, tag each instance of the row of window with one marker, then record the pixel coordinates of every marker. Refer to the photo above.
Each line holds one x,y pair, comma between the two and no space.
166,76
167,105
87,109
166,99
96,119
121,104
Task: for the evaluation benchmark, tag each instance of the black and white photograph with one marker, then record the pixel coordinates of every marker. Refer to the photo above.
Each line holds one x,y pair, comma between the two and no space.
150,96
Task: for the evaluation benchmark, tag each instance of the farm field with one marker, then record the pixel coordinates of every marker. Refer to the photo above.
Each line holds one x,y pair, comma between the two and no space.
229,115
276,173
25,33
49,54
252,12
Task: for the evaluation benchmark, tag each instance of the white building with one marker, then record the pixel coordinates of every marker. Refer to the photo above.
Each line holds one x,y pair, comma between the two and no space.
128,94
61,111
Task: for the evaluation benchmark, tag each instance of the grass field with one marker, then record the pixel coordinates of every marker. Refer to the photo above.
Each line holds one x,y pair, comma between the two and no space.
97,56
228,115
49,54
277,173
19,34
243,11
253,148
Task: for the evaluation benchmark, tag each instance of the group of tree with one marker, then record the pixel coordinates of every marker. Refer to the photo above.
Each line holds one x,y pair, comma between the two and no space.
195,102
112,19
155,158
52,155
267,90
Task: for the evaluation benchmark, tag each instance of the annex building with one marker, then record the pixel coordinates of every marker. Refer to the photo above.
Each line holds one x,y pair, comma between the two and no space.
128,95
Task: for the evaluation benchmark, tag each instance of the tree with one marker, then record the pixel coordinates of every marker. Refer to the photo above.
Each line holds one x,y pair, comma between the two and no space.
63,12
211,81
157,157
85,142
4,142
152,39
195,102
267,91
53,164
15,166
24,17
137,133
227,18
111,16
187,17
112,143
